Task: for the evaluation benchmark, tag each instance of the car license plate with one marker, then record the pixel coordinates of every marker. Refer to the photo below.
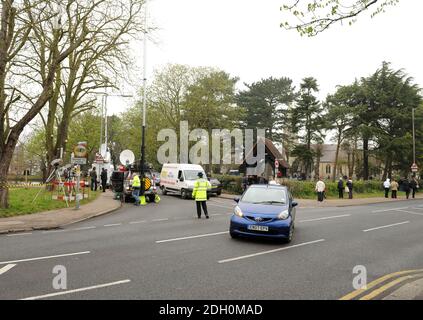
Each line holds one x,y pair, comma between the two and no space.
258,228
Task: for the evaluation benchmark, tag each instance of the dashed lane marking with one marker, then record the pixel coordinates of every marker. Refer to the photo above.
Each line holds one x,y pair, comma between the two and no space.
387,226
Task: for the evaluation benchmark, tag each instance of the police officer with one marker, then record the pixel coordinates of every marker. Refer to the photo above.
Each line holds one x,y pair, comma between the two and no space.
136,186
200,194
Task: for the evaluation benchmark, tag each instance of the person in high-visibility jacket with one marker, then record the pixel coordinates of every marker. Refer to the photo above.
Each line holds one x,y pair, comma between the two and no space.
200,194
136,187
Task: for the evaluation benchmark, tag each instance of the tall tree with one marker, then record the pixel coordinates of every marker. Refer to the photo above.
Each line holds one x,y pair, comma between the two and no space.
340,108
307,117
266,103
19,96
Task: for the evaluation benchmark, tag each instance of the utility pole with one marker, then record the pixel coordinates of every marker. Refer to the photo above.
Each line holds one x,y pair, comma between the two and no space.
144,103
414,139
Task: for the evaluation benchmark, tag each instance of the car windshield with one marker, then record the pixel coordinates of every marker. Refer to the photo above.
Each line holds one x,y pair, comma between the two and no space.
192,174
274,196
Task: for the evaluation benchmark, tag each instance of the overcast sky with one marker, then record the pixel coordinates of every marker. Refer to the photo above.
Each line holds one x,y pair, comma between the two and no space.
243,37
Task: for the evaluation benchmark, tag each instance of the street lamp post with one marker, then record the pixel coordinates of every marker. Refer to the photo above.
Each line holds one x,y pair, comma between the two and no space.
144,103
414,139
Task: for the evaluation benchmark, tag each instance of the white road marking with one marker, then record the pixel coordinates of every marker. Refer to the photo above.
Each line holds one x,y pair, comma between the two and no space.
19,234
387,226
136,222
386,210
193,237
270,251
6,268
47,257
61,293
410,212
157,220
112,225
54,231
326,218
84,228
217,214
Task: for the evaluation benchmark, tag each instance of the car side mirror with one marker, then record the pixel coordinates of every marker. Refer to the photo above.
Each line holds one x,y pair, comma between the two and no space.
294,203
236,199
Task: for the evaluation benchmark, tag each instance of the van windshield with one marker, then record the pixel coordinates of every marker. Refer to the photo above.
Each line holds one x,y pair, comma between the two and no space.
192,174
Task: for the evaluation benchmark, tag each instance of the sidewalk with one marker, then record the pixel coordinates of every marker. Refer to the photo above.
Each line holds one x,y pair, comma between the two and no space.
409,291
313,203
58,218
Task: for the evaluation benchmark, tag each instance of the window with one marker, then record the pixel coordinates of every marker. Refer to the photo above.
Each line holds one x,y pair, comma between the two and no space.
328,169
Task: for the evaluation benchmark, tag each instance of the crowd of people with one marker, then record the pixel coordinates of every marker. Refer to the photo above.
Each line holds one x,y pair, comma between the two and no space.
408,186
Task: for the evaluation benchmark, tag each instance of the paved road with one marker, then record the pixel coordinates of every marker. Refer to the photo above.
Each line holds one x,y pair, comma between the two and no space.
163,251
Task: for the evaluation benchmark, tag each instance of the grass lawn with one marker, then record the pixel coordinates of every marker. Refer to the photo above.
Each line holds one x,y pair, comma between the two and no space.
20,202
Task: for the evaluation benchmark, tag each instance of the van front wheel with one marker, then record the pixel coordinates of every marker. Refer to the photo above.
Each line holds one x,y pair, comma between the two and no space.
184,194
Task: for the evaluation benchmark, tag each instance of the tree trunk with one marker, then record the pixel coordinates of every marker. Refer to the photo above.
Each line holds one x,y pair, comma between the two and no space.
366,159
5,160
338,145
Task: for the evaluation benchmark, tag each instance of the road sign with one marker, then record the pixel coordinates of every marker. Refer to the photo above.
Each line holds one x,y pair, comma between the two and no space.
414,168
276,164
79,161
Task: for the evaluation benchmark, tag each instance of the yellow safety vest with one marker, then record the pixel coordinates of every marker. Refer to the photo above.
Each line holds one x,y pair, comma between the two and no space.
200,189
136,182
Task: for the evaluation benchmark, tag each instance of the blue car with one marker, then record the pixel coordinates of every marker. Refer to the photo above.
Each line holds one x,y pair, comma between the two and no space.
265,211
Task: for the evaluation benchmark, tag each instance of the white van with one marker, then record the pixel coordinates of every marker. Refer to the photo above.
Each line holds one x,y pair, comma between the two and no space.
180,178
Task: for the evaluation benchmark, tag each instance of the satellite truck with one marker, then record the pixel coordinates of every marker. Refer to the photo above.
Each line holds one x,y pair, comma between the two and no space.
121,180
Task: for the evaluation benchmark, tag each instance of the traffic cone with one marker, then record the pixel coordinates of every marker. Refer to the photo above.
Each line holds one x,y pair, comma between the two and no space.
157,198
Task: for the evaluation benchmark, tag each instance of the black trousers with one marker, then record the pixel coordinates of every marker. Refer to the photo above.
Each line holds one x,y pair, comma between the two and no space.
320,196
199,205
94,185
414,193
341,193
407,193
386,192
394,194
103,185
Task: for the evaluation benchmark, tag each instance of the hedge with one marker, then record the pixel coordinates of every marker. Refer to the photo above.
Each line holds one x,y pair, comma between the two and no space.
302,189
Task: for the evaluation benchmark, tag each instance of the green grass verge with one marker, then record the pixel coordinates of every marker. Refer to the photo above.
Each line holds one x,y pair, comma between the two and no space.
20,202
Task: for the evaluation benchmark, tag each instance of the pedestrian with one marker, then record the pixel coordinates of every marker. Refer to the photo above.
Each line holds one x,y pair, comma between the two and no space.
386,186
200,194
413,186
136,187
406,187
244,183
93,176
394,189
350,188
320,189
103,177
341,188
262,180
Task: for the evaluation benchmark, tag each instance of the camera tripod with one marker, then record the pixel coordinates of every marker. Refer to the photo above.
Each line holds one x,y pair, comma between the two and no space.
55,174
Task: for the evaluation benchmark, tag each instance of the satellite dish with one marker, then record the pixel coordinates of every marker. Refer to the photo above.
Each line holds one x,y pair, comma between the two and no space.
126,157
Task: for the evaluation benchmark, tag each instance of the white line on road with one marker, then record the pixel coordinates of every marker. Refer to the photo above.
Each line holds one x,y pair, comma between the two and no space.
6,268
387,226
137,222
410,212
47,257
193,237
54,231
19,234
386,210
55,294
113,225
84,228
270,251
326,218
217,214
157,220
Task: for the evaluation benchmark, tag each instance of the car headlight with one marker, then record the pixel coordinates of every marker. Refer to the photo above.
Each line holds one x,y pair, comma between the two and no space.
283,215
238,212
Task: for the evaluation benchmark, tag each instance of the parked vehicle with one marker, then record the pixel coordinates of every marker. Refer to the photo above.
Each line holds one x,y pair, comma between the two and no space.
180,178
264,211
216,186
